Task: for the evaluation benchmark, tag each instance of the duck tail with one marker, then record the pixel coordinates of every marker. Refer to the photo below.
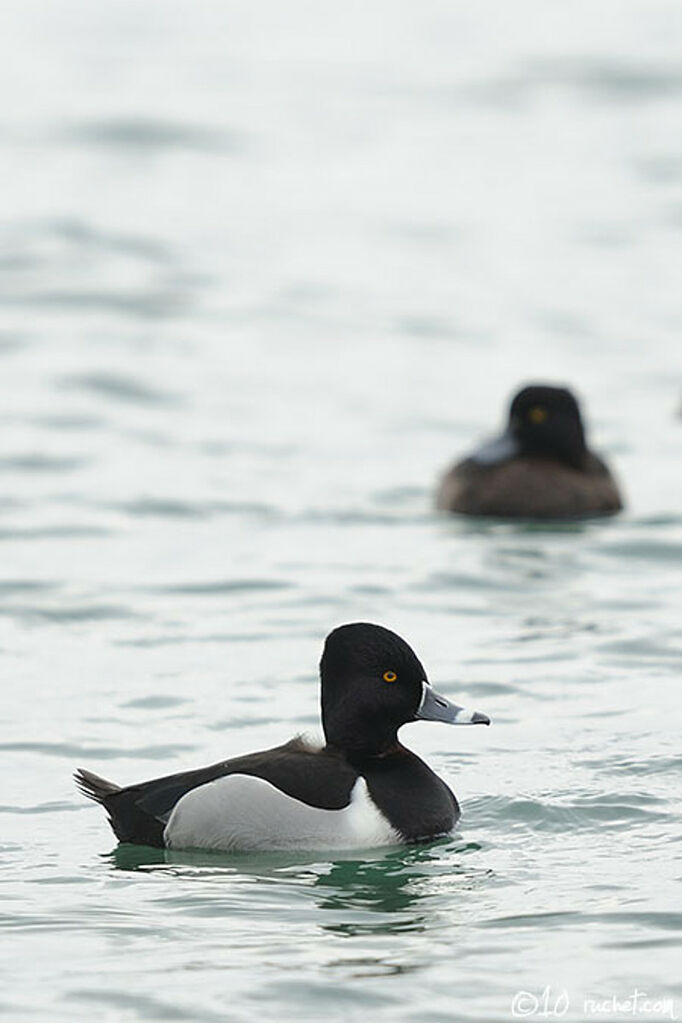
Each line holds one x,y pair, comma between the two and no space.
94,787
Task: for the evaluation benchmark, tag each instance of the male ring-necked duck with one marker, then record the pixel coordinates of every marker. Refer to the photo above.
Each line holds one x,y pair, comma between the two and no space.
362,789
539,468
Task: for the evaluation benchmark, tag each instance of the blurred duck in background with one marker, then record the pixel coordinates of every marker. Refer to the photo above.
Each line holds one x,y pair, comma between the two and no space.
540,467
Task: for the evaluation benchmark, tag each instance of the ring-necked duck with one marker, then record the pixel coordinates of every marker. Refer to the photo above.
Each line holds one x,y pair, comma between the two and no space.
539,468
363,788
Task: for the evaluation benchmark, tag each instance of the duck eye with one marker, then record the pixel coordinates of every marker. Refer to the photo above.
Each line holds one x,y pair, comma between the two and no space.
389,676
537,415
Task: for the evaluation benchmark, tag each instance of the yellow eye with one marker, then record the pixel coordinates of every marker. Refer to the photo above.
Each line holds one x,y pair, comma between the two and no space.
390,676
537,414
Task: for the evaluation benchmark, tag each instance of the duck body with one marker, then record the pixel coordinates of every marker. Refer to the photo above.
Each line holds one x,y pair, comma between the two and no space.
292,796
530,487
539,468
360,790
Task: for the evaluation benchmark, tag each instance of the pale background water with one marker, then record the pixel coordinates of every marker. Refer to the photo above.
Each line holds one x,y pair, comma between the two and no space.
266,269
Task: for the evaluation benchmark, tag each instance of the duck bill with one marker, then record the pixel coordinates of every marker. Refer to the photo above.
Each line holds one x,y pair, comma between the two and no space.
499,449
434,707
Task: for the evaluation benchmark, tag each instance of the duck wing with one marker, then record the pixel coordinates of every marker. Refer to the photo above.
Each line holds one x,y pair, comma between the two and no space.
139,813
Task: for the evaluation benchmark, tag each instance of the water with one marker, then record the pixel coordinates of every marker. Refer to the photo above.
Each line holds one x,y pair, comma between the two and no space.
266,269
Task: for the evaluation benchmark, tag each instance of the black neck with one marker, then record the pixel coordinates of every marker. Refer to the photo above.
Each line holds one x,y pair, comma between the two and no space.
363,742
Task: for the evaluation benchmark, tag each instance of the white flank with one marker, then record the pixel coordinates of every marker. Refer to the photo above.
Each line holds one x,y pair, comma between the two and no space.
240,812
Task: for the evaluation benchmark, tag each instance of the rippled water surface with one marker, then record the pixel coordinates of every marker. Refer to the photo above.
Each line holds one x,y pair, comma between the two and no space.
265,269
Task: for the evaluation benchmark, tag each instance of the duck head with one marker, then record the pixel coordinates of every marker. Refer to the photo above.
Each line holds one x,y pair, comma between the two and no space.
543,421
372,683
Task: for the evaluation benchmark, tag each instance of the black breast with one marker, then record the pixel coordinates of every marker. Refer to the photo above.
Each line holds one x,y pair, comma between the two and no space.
414,800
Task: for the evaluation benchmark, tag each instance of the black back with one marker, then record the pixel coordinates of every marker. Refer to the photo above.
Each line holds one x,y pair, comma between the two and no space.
321,778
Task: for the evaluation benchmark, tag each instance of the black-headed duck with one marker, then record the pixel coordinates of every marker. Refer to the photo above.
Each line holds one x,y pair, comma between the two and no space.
540,467
362,788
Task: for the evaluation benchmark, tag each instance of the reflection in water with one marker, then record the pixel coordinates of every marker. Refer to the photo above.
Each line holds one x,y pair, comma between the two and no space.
386,892
388,889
